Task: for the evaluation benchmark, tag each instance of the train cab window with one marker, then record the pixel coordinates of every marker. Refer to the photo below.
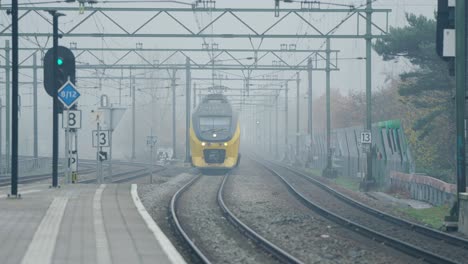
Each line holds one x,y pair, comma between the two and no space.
215,124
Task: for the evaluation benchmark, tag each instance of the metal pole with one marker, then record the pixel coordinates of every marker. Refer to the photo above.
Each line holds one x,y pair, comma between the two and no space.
270,135
133,118
276,127
111,131
1,130
460,71
67,146
55,128
310,110
297,115
369,177
120,86
14,110
188,87
36,149
8,106
173,115
329,167
98,160
286,123
194,95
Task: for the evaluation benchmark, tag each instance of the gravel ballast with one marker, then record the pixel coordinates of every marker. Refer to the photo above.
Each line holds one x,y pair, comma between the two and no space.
203,221
263,202
330,202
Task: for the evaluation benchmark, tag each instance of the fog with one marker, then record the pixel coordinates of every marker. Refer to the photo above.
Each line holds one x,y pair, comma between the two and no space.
153,106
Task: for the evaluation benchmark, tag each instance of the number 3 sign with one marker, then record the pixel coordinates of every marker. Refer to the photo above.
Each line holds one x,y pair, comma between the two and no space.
103,138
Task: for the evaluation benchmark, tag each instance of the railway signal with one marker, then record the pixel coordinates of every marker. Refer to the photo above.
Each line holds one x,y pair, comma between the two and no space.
65,65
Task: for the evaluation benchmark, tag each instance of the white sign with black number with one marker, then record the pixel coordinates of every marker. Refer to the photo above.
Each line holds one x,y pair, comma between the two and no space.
366,137
103,138
73,118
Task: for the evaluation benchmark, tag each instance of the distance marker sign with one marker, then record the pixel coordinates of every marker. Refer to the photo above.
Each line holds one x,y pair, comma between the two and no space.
68,94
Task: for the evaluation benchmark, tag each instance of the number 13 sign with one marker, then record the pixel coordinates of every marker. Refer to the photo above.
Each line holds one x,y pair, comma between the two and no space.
366,137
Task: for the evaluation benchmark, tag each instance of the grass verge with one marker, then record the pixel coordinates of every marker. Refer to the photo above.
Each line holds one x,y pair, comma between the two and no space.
345,182
433,217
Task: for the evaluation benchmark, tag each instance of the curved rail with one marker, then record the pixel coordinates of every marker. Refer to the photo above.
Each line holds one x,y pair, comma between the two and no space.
271,248
402,246
447,238
178,226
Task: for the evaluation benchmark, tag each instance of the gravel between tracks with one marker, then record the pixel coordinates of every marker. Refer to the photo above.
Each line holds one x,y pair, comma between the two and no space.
335,205
204,222
263,202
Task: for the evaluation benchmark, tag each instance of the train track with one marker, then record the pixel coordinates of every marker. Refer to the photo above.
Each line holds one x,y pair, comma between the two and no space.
426,244
258,240
5,181
116,178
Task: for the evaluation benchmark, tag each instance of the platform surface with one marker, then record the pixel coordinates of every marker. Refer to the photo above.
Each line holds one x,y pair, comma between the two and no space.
76,224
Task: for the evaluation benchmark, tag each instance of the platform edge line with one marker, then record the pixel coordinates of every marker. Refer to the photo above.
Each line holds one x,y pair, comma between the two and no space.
167,246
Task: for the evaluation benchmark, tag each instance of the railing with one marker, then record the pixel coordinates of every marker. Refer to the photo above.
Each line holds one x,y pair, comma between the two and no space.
424,188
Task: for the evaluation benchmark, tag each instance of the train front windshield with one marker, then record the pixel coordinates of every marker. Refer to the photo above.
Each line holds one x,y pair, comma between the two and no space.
215,123
215,127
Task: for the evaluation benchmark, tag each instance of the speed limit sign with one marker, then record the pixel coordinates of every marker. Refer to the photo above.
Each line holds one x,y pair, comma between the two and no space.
73,118
366,137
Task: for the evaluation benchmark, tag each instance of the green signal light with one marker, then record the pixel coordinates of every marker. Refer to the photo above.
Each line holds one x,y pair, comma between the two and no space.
59,61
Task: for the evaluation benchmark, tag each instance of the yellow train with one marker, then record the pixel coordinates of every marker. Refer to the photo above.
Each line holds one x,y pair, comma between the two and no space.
215,134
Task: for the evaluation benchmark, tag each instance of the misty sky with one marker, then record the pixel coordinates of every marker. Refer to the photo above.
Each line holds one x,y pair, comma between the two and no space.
351,76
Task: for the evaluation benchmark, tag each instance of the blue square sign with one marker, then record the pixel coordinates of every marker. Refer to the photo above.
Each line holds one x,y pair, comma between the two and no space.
68,94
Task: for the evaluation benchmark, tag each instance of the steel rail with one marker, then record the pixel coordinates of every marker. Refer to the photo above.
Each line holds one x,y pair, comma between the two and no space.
397,244
268,246
176,222
5,181
447,238
128,175
33,178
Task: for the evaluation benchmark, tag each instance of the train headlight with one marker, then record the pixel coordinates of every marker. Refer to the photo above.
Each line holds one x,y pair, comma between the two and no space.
203,144
225,144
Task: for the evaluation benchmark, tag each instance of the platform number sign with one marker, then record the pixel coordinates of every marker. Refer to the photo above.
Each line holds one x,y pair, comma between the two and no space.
102,138
73,117
366,137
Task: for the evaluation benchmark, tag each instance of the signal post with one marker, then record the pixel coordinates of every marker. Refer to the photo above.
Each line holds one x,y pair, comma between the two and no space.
59,73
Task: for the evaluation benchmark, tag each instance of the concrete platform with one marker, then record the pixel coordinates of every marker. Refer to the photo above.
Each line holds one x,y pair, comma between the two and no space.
80,224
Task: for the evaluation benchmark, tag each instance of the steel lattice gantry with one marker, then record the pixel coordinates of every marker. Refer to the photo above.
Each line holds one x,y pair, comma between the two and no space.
75,30
191,31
